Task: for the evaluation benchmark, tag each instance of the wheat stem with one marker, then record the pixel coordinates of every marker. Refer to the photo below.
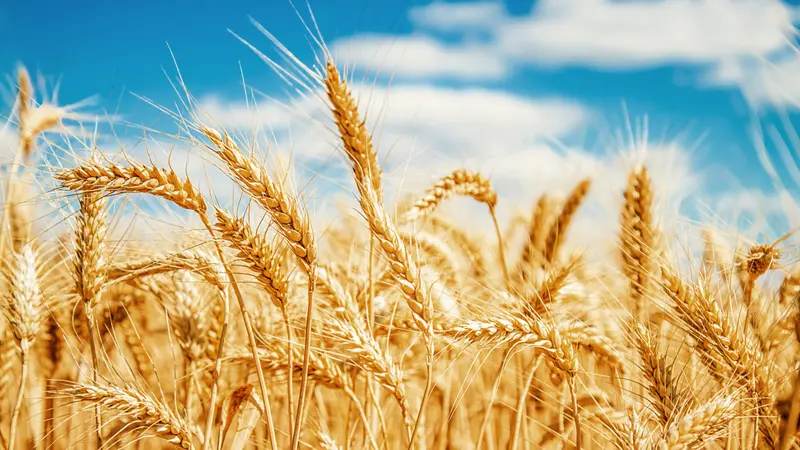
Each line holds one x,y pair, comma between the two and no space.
248,325
12,436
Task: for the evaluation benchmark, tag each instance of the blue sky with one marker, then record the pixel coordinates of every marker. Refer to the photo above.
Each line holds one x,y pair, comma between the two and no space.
698,72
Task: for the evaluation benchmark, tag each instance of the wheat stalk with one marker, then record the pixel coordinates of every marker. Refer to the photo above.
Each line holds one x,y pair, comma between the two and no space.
265,262
292,223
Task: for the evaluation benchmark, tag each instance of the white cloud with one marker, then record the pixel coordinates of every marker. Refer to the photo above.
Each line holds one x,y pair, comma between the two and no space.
754,213
467,121
477,121
733,43
419,56
767,81
458,17
242,116
624,34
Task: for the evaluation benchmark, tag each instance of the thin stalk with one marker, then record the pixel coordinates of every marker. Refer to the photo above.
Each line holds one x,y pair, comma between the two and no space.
348,441
355,400
426,394
575,413
521,403
301,401
794,414
49,415
310,393
212,408
495,387
289,381
74,409
187,388
375,403
248,326
447,411
89,313
371,285
501,252
12,436
370,317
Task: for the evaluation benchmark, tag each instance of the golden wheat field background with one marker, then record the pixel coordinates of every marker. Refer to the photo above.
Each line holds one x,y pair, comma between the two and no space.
142,310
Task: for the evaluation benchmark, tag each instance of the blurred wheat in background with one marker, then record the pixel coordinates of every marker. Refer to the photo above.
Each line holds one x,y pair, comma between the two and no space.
250,325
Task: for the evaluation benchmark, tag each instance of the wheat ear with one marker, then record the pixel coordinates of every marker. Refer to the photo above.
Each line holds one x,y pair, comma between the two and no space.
724,348
555,236
356,140
789,290
699,425
637,238
146,414
660,383
534,249
90,273
470,248
8,356
193,260
19,211
24,311
461,182
24,107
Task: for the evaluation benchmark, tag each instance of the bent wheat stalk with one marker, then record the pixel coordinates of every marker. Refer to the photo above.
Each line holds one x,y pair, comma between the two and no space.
465,183
365,169
265,262
292,223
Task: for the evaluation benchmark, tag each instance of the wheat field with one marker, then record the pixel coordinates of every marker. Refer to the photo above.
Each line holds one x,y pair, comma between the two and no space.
396,327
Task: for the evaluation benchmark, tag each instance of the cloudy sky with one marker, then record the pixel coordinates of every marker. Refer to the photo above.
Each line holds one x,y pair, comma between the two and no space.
534,93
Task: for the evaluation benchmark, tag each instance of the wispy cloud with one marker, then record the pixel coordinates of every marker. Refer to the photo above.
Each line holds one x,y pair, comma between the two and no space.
765,81
746,45
420,56
459,17
631,34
